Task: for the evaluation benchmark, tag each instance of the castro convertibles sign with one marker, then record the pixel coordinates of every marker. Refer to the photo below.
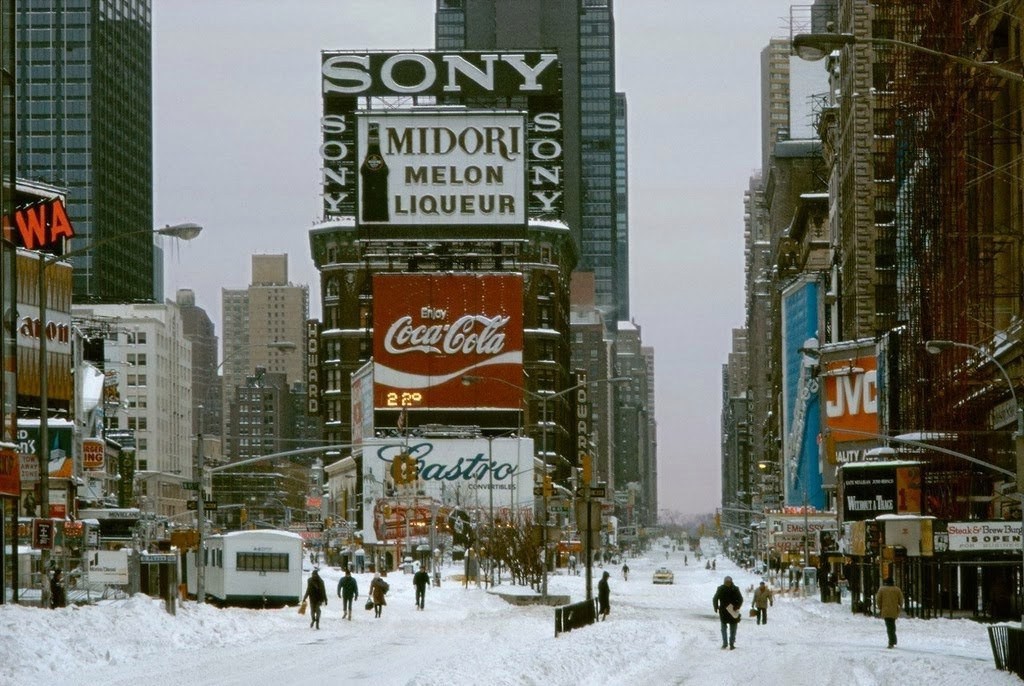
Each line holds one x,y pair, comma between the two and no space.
438,167
355,157
429,330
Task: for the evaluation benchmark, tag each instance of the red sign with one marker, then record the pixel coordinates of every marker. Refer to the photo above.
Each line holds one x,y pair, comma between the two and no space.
10,473
92,454
431,330
42,224
851,401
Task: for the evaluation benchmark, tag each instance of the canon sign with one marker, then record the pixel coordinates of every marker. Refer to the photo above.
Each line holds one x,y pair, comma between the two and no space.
432,329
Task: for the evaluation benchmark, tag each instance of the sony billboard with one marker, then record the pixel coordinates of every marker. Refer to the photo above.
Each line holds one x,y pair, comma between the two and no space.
414,79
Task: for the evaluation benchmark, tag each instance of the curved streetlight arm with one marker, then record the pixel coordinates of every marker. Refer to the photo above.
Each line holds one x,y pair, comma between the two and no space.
815,46
937,346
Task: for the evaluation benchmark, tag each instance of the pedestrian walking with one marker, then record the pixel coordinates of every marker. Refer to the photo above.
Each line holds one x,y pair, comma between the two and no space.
603,597
316,593
420,580
889,600
727,603
348,590
57,596
378,589
625,572
762,599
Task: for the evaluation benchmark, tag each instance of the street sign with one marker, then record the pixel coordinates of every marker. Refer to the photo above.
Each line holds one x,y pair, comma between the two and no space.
538,491
207,505
314,526
158,559
191,485
598,491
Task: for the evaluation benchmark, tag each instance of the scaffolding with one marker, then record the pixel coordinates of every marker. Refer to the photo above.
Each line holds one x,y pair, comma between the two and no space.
947,216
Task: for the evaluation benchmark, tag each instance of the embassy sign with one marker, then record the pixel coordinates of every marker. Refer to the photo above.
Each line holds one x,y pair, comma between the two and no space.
448,170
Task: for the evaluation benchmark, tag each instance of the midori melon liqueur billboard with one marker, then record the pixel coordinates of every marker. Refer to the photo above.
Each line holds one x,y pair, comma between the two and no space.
408,483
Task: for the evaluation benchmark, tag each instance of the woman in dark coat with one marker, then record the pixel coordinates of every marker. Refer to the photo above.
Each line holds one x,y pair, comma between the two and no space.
603,596
378,589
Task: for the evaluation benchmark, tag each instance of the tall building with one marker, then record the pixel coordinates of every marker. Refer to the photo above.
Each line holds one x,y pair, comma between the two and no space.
635,426
264,326
83,87
199,330
584,35
147,352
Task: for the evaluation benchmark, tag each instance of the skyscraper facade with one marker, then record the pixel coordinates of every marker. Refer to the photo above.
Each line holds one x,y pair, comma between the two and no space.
83,84
583,32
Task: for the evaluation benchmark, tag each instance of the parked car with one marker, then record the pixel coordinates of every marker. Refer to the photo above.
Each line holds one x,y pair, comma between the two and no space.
664,575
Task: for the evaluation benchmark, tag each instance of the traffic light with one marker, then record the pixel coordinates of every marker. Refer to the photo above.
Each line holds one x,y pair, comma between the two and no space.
547,486
587,470
243,516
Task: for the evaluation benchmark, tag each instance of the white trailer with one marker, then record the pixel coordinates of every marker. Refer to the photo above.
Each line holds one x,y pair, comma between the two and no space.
259,568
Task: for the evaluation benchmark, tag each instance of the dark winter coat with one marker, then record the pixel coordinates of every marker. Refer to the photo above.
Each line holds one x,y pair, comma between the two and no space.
603,595
727,594
378,589
348,588
420,580
315,591
57,596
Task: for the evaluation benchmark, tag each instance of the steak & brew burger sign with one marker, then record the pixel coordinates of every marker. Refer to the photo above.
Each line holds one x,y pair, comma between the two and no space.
432,329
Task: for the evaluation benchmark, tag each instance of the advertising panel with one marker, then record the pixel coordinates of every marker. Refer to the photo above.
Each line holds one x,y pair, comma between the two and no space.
432,329
462,480
57,330
871,490
534,77
992,536
362,404
450,168
801,406
108,567
93,454
10,473
787,532
851,406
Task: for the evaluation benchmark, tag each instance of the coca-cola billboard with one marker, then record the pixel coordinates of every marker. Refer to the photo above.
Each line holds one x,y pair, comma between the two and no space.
430,330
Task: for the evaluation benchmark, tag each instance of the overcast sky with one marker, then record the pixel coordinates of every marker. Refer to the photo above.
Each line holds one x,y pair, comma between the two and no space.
236,136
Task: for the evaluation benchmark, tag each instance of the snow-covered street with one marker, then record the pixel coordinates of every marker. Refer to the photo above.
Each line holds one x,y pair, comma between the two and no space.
656,634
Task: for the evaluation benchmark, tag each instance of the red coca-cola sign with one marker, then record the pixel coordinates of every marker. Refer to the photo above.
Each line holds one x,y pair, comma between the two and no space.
431,330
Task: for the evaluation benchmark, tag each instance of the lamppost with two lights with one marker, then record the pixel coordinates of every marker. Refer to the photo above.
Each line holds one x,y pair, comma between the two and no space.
544,399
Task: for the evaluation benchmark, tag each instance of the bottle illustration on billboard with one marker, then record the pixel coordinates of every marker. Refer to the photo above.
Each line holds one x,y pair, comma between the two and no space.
373,177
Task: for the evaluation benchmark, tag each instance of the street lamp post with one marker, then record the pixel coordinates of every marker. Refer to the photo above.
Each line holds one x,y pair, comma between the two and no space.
815,46
936,347
185,232
544,399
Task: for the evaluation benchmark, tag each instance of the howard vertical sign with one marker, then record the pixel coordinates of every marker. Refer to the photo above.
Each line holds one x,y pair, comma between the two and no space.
504,80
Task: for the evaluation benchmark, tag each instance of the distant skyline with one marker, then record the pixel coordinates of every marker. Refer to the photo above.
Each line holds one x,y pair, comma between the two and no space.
236,138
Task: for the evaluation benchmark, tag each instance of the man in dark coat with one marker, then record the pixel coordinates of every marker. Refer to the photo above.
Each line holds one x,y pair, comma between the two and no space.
727,603
316,593
603,596
348,589
420,580
57,595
